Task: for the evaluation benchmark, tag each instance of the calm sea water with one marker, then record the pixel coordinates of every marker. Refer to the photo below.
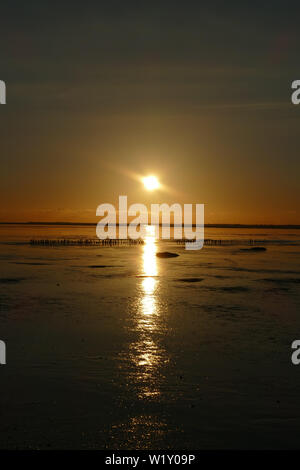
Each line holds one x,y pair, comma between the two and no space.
115,348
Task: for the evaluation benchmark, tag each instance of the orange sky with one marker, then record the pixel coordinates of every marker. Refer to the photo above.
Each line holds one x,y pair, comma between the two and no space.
205,106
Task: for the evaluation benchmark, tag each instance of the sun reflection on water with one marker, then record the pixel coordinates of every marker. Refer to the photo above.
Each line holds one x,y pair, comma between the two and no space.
149,254
147,354
149,282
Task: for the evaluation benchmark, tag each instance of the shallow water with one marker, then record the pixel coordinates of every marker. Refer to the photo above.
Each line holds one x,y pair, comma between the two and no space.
116,348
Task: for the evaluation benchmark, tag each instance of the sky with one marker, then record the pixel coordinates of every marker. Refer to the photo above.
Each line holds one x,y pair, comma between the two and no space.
196,93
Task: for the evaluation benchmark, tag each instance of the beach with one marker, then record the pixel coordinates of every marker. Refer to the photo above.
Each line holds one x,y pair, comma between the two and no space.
115,348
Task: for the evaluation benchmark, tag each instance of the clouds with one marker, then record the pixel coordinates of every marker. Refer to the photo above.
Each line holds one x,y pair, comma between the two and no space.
203,83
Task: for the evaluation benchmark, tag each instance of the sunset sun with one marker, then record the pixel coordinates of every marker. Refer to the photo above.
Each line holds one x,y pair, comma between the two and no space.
151,183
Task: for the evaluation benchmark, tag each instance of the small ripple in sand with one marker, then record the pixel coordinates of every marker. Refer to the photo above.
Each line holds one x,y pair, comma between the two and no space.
142,276
95,266
11,280
31,264
230,289
281,280
99,266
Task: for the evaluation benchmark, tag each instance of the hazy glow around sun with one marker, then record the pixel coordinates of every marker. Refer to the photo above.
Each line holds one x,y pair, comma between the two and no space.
151,183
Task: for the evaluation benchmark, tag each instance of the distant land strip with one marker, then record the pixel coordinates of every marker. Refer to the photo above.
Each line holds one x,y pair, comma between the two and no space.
91,224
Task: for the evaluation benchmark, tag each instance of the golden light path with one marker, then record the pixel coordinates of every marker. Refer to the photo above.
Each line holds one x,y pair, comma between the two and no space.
150,269
148,355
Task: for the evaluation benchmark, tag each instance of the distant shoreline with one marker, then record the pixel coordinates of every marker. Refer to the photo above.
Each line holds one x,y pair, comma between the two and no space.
93,224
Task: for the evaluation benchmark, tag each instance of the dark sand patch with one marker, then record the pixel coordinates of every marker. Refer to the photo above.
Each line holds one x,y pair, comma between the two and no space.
231,312
219,276
277,290
231,289
235,289
98,266
11,280
281,280
109,276
31,264
95,266
254,248
258,270
166,254
191,279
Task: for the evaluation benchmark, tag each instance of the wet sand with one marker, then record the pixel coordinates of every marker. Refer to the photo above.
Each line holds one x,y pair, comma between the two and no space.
116,348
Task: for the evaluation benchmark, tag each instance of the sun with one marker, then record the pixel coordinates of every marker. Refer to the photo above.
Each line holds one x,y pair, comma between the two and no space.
151,183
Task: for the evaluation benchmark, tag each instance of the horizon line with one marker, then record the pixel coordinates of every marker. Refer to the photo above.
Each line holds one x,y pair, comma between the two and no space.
211,225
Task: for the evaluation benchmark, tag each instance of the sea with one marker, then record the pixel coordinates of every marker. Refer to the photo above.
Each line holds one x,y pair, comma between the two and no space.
113,347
